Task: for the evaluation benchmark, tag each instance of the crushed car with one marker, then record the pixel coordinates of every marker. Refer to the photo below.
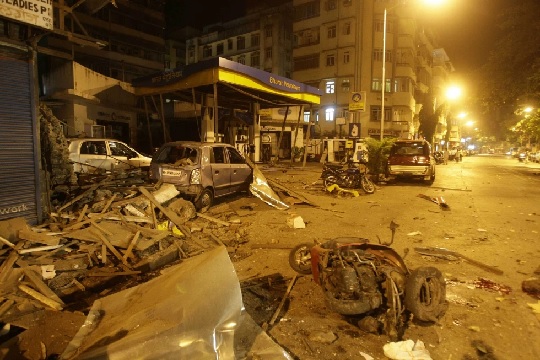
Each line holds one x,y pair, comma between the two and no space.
361,278
201,171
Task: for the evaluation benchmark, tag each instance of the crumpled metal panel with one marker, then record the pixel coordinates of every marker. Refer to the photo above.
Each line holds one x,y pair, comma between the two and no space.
189,312
260,188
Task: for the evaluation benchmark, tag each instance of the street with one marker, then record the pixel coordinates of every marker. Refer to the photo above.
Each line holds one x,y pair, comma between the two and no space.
493,218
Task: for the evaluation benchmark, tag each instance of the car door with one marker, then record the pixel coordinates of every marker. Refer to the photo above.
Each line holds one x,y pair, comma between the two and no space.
241,173
93,156
221,171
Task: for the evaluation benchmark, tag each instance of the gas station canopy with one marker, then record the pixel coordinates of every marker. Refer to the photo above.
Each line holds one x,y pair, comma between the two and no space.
233,84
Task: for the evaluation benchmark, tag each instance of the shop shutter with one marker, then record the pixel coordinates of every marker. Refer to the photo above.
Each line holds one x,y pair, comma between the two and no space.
19,194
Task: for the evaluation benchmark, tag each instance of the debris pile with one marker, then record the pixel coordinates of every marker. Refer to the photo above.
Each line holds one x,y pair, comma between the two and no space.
100,239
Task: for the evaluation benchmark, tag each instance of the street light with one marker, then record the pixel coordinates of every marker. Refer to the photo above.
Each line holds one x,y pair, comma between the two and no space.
428,2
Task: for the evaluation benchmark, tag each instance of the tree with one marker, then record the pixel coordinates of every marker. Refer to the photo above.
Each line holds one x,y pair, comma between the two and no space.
428,119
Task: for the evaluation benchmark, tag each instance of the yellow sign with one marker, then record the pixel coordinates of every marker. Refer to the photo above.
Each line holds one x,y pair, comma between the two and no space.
357,102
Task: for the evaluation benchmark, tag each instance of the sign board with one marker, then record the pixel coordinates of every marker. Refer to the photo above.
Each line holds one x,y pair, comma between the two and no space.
32,12
340,121
357,101
354,130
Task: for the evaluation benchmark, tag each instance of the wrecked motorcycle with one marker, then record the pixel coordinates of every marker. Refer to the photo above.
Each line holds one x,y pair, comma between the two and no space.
360,278
347,177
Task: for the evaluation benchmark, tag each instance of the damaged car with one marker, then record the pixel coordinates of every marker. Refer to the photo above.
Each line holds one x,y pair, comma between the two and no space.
361,278
201,171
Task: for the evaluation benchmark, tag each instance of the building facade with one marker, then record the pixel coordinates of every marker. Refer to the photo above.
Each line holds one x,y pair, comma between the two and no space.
340,46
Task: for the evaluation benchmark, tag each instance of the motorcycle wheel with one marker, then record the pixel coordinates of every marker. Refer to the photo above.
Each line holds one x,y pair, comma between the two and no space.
425,294
329,180
367,185
300,258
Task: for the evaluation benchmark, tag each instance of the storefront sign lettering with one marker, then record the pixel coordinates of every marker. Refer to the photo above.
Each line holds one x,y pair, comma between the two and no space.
283,83
33,12
13,209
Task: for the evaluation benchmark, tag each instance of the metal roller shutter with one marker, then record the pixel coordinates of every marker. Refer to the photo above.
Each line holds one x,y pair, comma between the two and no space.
18,159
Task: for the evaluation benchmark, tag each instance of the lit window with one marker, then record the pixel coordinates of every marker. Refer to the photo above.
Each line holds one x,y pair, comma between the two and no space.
329,112
330,87
307,114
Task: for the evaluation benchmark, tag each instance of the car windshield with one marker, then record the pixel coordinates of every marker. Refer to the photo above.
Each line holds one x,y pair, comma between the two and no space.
177,155
408,149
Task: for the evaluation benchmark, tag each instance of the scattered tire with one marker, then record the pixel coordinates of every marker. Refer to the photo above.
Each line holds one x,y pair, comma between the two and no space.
300,258
205,200
425,294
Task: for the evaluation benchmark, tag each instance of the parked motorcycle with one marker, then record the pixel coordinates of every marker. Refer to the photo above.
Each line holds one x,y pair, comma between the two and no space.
349,176
439,157
359,278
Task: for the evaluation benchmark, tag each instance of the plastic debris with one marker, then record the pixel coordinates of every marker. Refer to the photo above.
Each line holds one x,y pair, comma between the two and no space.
406,350
296,222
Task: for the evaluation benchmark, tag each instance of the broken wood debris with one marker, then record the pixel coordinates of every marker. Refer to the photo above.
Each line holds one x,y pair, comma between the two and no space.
99,235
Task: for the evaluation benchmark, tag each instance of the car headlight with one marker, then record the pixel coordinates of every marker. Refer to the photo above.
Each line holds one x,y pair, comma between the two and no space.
195,176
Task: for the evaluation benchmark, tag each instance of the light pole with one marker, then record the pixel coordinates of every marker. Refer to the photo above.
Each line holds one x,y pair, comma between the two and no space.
383,74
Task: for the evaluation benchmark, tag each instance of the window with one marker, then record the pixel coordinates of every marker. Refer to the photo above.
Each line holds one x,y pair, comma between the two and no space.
306,62
347,28
401,85
230,44
268,53
242,59
240,43
93,148
330,87
218,155
307,10
346,57
330,60
332,31
375,114
346,85
331,4
268,31
219,49
255,39
235,157
377,55
307,115
191,52
207,51
376,85
329,114
378,24
119,149
255,59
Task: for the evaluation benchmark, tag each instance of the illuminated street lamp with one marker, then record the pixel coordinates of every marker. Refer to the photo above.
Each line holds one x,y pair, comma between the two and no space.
427,2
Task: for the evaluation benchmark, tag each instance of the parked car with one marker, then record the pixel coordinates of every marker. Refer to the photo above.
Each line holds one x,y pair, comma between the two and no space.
201,171
412,159
91,154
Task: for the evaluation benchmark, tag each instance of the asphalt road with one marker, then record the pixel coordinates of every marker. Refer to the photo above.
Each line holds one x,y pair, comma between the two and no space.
493,217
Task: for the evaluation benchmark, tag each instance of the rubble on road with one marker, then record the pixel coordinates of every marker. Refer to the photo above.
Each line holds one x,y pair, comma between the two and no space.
100,238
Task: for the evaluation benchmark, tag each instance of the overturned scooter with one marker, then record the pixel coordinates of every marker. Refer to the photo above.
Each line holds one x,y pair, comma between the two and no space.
359,278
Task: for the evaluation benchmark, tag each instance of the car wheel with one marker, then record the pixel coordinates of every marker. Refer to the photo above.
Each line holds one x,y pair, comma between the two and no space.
300,258
205,200
425,294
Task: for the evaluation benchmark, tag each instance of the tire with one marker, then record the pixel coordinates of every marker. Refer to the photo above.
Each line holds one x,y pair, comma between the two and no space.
329,180
300,258
432,177
425,294
367,185
204,201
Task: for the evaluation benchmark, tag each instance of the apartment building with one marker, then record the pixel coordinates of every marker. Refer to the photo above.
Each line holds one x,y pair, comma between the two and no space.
339,47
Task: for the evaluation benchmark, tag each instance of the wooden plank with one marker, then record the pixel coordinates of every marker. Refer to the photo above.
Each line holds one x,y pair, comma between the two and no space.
83,212
7,242
85,222
130,247
106,207
6,306
40,297
41,286
39,238
110,247
40,248
92,188
170,214
118,273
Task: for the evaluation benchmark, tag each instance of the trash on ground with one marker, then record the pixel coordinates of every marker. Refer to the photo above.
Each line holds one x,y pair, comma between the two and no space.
439,200
532,287
406,350
435,251
335,189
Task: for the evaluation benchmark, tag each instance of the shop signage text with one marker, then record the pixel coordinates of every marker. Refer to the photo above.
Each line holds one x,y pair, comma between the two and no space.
33,12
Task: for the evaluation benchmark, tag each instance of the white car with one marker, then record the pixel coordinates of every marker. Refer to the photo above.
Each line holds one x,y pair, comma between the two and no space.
90,154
